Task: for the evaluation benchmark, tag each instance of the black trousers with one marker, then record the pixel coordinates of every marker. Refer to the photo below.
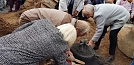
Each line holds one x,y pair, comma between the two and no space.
112,38
132,20
70,8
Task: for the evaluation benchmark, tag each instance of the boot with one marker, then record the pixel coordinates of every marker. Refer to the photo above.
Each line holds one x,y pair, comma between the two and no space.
110,58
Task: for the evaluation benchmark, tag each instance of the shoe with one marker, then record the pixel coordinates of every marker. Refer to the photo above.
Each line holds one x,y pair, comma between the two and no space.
96,47
132,22
10,11
15,10
110,58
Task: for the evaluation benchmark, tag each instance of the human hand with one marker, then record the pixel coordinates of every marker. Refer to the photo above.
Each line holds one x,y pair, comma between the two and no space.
71,58
75,13
69,55
91,43
66,11
85,0
131,16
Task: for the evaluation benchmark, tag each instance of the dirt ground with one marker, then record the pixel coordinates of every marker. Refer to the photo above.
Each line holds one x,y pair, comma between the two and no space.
9,22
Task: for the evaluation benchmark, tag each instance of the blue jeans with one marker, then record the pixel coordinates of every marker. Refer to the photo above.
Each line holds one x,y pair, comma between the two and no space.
132,63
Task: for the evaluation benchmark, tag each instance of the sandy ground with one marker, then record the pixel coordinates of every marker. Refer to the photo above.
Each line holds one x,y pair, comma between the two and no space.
8,23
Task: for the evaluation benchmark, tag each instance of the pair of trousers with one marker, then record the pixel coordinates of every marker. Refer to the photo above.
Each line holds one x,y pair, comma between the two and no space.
12,2
7,2
112,38
132,63
70,8
21,2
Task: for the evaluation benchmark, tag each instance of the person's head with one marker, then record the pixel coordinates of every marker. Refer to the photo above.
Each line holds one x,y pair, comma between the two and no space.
130,1
85,0
109,1
82,27
88,10
69,33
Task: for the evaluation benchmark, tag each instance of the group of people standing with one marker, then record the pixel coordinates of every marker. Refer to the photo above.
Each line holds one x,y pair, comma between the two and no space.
17,4
46,33
11,3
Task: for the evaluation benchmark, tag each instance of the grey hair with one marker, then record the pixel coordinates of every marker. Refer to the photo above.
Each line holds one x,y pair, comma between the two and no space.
88,8
69,33
83,26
